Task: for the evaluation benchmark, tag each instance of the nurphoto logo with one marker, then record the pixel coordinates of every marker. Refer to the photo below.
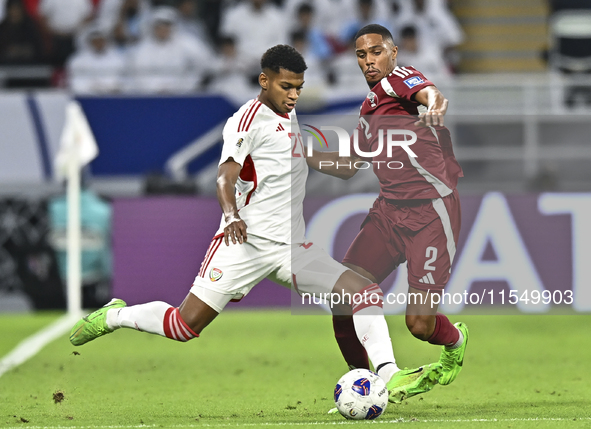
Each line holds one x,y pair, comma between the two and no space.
388,139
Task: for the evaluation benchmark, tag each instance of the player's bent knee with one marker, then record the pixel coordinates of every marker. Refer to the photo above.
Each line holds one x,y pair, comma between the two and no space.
351,283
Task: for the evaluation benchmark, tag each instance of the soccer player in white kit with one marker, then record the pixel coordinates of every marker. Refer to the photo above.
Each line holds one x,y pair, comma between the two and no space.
260,187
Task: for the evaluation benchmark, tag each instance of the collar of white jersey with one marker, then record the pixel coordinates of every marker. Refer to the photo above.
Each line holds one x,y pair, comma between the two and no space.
281,115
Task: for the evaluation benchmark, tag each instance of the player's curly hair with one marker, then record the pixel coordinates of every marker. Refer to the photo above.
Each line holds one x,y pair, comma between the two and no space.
375,29
283,56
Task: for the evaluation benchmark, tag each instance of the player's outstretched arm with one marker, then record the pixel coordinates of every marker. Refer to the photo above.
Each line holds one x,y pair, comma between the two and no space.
235,228
436,106
332,164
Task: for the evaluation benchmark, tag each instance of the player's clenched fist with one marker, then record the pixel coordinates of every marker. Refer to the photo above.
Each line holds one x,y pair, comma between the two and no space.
235,230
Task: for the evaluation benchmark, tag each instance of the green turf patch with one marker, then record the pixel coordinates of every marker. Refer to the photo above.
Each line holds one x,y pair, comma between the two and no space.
16,327
272,369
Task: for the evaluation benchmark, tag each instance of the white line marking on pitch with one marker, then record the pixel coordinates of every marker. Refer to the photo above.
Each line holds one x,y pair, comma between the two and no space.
342,422
30,346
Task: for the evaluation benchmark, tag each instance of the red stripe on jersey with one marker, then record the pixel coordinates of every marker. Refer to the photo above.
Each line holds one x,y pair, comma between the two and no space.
166,326
214,249
249,174
206,257
249,115
245,114
211,245
252,116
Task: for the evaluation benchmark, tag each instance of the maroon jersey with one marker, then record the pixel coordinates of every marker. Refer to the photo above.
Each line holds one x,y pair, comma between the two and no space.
387,116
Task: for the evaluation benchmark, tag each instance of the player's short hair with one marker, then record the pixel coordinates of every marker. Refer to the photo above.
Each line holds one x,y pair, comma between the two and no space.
376,29
283,57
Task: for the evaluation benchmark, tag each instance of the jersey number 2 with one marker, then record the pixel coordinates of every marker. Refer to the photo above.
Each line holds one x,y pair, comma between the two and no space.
365,126
432,255
297,149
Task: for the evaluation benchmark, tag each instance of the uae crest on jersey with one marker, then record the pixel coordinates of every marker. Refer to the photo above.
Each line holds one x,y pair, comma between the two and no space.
373,99
215,274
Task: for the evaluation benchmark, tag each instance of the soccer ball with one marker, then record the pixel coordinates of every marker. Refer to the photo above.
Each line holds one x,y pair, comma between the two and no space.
361,395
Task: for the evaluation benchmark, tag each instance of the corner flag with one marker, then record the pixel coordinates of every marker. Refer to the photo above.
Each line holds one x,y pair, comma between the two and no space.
77,148
76,134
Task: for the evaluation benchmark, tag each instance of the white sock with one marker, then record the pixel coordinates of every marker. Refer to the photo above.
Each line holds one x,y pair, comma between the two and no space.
388,370
144,317
458,343
372,330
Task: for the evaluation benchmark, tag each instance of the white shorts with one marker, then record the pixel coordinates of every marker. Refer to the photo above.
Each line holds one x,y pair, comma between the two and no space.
228,273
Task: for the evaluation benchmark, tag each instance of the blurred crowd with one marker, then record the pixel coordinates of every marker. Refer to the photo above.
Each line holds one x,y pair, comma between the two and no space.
183,46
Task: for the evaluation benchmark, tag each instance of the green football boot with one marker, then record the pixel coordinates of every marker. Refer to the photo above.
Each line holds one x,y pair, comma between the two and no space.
94,325
407,383
452,360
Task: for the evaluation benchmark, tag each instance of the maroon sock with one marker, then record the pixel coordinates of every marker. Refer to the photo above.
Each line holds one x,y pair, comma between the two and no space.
445,334
352,350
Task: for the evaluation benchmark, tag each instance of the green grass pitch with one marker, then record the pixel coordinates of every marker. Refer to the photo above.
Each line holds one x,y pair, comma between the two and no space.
273,369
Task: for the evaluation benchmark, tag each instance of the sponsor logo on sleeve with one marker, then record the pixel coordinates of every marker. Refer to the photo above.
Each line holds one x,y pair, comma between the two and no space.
411,82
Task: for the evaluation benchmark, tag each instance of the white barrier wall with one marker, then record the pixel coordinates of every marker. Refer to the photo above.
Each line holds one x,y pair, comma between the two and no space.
30,128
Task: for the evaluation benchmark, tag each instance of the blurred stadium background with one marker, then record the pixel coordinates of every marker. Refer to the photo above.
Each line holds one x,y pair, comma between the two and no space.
157,79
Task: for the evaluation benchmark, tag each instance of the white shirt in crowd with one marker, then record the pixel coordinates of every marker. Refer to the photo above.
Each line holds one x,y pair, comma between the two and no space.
254,30
328,14
427,60
230,79
91,72
436,25
174,66
65,16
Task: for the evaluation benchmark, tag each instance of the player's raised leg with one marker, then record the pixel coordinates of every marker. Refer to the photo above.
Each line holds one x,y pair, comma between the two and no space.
181,324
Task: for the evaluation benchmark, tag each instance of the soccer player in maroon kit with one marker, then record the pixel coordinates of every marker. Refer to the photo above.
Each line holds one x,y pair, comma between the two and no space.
416,217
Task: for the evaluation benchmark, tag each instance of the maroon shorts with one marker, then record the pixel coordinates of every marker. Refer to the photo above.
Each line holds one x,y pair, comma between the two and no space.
422,232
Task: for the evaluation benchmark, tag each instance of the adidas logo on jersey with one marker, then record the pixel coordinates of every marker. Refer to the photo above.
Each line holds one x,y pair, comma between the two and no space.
280,128
427,279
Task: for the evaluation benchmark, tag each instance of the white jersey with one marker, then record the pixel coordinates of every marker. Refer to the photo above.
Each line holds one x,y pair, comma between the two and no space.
271,187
